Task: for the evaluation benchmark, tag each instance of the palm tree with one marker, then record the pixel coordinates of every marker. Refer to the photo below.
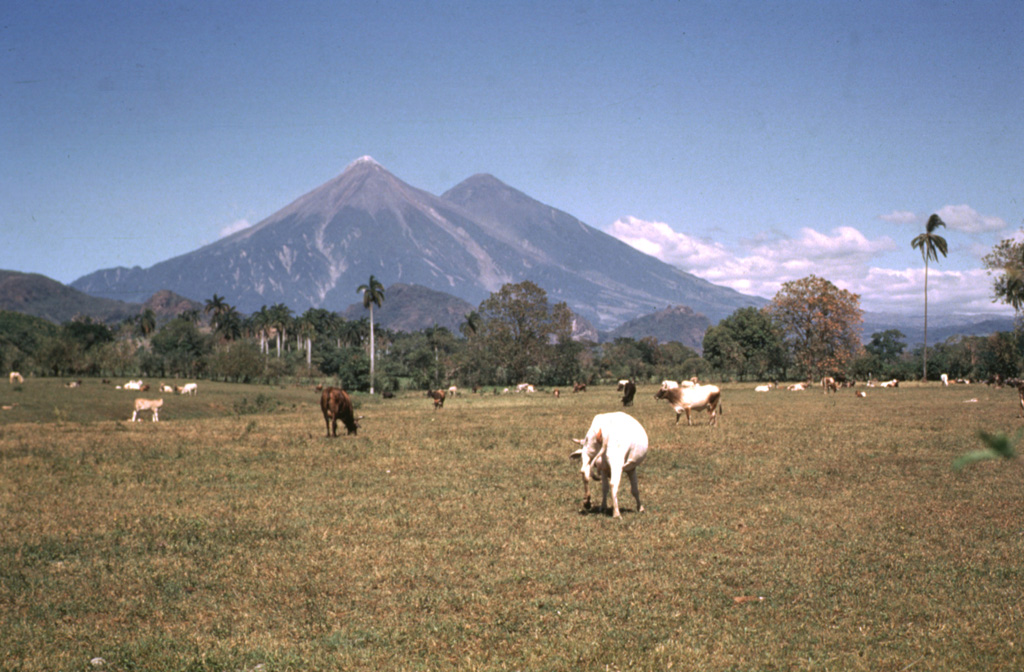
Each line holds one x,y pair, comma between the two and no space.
280,318
229,323
146,322
216,306
373,292
306,327
472,324
930,244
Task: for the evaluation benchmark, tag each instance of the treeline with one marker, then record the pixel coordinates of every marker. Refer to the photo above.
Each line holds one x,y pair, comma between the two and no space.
514,336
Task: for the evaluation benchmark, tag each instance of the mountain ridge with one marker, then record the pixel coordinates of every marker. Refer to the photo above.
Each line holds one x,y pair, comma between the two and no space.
468,242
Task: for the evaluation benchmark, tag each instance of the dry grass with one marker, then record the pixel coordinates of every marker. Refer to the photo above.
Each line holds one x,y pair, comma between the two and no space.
451,540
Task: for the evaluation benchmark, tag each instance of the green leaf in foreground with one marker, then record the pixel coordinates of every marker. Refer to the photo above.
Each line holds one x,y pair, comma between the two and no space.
997,446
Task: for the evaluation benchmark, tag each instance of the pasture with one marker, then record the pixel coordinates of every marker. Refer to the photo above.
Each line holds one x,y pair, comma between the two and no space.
804,532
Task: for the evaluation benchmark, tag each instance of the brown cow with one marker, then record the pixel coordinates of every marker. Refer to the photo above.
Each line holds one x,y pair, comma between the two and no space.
335,403
438,397
628,392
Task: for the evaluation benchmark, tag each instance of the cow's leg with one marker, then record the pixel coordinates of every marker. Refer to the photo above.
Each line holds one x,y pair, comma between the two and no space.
135,414
156,414
613,484
334,425
634,487
586,489
689,422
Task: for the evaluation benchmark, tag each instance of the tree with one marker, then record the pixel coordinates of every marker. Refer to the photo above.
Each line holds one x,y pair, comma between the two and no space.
373,293
930,244
1007,260
747,342
820,324
228,323
515,328
215,306
146,322
280,318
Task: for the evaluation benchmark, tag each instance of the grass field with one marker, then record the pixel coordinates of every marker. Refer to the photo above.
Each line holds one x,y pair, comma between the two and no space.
804,533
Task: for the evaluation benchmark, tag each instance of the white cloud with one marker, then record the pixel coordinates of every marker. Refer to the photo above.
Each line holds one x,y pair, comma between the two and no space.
844,256
966,219
234,227
899,217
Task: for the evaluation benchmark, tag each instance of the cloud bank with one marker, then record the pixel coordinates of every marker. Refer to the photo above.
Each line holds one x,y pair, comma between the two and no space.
844,256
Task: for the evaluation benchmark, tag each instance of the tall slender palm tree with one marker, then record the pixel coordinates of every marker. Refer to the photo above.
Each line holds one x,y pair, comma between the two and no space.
216,306
930,244
373,293
146,322
280,319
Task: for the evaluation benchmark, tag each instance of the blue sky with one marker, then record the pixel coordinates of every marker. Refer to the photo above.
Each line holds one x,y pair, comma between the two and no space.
749,143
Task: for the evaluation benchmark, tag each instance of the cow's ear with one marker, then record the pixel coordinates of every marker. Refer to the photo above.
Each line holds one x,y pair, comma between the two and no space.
576,454
598,438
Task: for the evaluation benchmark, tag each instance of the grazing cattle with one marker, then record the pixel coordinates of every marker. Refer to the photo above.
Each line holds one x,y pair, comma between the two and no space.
166,388
147,405
188,388
622,385
579,387
945,380
891,383
763,388
336,405
452,391
438,397
133,385
628,392
556,393
16,378
615,444
696,398
387,394
828,384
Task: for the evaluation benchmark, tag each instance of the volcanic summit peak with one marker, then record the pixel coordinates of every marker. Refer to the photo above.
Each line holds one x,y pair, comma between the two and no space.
365,159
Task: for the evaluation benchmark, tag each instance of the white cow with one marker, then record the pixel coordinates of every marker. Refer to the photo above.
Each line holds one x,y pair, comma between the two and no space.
188,388
891,383
147,405
696,398
763,388
945,380
16,378
615,444
133,385
797,387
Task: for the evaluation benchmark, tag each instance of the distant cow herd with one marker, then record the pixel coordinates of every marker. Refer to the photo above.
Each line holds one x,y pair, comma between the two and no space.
614,445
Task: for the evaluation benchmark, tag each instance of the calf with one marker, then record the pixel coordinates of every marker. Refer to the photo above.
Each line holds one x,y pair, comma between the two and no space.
336,404
615,444
579,387
147,405
696,398
628,392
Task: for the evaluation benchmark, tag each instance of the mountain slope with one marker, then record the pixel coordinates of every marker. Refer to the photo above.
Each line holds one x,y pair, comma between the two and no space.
674,323
598,275
38,295
481,234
